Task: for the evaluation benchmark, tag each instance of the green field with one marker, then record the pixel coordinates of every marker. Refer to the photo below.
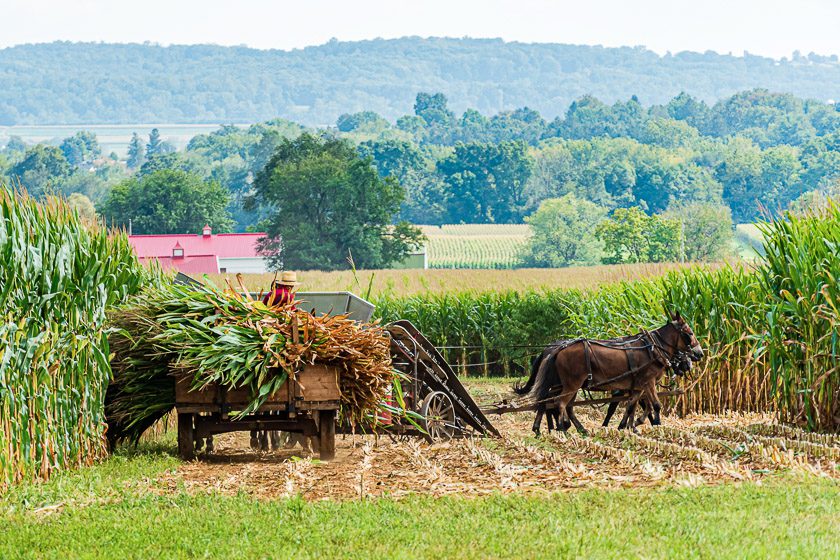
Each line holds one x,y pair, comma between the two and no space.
475,245
115,509
498,245
748,241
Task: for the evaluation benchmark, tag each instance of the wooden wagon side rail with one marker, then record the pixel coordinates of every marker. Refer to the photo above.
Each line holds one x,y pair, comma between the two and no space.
306,404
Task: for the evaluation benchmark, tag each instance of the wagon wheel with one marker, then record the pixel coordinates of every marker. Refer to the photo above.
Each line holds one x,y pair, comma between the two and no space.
438,417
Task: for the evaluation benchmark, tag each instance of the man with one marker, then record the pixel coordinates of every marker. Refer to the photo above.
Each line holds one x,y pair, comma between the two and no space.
282,291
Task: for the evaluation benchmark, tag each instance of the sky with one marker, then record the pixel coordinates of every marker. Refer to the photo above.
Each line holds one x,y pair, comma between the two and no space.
764,27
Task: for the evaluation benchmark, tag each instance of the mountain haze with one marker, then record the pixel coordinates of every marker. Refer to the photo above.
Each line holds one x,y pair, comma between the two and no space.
84,83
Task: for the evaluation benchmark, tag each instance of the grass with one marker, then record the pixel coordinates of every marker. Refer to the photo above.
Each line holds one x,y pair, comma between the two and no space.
412,282
104,511
748,242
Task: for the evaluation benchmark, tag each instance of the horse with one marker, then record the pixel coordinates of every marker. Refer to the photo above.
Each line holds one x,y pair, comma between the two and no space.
630,364
680,367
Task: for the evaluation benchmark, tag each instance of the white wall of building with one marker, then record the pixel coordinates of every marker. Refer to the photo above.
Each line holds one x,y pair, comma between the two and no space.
254,265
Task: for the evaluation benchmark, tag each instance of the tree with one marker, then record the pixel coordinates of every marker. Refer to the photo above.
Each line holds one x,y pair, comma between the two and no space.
93,185
522,124
81,148
562,233
15,146
816,201
154,146
486,182
433,108
631,236
167,201
425,201
41,169
82,204
326,204
686,108
175,160
435,114
707,230
136,152
365,121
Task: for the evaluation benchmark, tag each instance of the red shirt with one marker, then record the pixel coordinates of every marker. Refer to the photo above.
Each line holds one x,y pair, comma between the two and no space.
281,295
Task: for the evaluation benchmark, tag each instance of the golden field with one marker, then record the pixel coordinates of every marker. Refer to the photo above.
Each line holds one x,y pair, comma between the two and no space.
373,283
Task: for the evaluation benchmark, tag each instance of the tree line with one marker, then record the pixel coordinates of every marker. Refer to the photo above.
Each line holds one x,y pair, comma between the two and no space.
746,155
124,83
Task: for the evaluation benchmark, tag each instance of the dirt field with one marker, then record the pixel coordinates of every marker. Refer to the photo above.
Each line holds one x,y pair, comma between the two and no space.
692,451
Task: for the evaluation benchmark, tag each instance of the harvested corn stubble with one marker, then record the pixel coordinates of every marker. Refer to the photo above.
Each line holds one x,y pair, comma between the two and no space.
220,337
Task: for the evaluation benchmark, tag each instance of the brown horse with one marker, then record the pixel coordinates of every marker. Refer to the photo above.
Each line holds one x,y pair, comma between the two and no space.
631,365
681,365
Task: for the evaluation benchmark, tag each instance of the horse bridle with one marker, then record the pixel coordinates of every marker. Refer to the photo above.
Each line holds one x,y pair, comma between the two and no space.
669,351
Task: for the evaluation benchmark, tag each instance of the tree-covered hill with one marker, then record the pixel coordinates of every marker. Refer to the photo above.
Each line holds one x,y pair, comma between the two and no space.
64,82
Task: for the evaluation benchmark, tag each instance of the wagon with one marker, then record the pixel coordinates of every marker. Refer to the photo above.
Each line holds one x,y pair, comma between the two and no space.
432,389
307,404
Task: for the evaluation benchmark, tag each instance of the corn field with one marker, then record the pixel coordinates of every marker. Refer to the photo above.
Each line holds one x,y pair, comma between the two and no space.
802,340
771,330
485,332
57,276
477,246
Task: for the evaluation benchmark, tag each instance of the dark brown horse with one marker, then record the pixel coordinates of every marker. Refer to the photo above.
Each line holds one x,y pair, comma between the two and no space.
681,365
632,365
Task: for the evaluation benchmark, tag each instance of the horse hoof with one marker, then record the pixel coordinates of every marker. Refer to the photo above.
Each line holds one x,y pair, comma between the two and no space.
583,432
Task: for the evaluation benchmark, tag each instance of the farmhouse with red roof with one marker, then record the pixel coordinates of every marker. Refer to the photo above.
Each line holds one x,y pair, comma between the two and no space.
204,253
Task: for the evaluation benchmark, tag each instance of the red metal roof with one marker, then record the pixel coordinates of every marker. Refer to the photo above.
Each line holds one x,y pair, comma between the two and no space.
223,245
199,264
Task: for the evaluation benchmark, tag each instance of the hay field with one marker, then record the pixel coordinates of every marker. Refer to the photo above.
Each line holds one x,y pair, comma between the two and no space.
373,283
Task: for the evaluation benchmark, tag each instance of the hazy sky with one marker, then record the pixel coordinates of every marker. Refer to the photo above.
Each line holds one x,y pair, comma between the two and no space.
768,27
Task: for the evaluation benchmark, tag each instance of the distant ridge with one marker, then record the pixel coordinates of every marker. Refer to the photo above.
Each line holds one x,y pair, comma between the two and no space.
73,83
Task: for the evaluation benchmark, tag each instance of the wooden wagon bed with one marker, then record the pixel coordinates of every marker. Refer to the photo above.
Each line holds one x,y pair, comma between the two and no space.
307,404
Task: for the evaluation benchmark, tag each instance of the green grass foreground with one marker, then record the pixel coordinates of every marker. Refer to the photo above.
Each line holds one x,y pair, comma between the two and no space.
107,512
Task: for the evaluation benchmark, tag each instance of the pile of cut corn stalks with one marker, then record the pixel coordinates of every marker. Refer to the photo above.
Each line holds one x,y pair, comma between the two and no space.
218,336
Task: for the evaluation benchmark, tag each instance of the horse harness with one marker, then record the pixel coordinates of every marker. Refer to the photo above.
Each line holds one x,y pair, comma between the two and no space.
649,343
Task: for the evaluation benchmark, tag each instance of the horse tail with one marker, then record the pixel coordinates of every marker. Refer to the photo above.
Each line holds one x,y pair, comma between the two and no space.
535,366
543,380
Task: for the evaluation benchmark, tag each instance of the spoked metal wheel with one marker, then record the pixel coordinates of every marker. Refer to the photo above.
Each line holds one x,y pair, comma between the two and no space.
438,417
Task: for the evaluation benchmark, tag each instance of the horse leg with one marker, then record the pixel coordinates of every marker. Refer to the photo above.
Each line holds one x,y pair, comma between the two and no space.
570,412
645,412
554,417
255,442
655,407
563,405
611,409
538,420
549,418
630,412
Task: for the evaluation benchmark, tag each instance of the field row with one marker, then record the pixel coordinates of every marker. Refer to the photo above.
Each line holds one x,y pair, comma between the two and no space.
694,451
376,283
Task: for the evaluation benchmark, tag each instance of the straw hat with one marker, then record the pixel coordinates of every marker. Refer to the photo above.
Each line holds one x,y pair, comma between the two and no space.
288,279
